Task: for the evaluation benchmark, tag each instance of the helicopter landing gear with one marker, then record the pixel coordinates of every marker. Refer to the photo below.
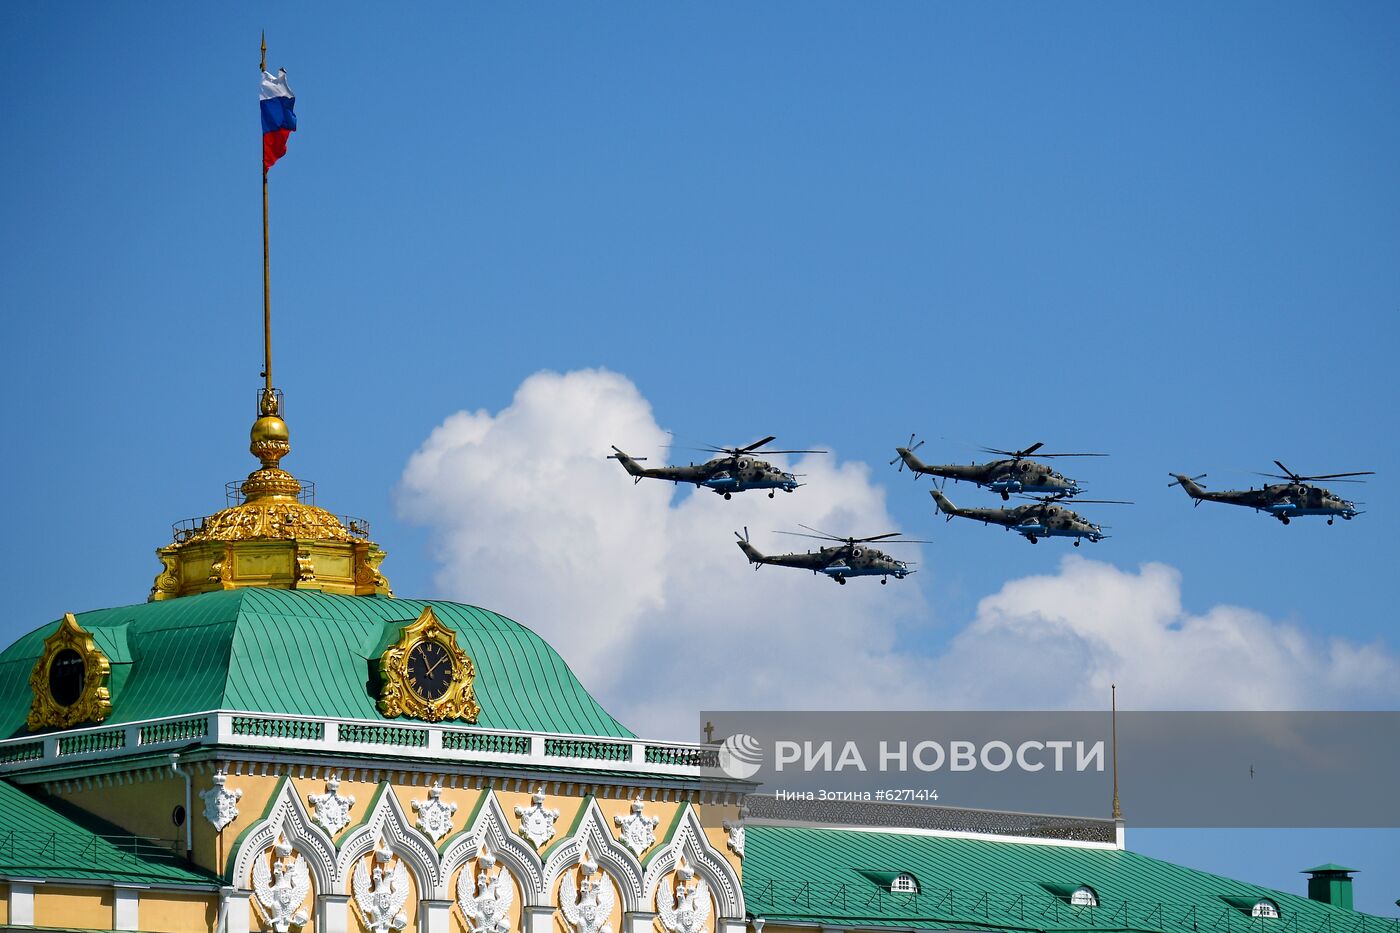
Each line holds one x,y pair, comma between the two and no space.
1032,539
841,580
771,493
1329,521
1005,496
884,580
728,496
1076,542
1283,518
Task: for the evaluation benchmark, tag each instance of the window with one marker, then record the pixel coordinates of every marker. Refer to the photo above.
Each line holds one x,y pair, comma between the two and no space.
1084,896
904,883
1264,909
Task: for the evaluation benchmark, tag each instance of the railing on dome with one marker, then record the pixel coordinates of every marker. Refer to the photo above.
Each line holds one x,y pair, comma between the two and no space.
182,531
969,907
233,493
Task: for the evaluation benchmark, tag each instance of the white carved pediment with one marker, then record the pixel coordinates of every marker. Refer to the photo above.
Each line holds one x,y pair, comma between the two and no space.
688,841
593,836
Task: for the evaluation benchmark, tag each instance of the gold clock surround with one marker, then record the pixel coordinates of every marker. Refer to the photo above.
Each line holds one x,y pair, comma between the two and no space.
398,698
94,701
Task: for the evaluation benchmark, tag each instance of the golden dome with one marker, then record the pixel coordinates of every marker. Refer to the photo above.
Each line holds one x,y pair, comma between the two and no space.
273,535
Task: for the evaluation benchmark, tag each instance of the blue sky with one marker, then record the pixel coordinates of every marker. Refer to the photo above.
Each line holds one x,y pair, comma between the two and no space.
1167,232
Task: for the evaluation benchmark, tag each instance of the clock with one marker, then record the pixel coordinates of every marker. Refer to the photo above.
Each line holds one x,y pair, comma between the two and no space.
430,670
426,675
70,680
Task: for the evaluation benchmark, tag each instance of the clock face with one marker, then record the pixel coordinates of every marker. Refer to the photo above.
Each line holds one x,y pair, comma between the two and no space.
430,670
67,672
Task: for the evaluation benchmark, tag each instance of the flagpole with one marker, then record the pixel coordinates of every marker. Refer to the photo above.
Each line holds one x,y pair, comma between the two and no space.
267,280
1117,807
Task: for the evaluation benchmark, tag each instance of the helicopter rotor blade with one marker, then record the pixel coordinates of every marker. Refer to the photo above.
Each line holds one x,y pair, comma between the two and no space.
824,534
1339,475
798,534
757,444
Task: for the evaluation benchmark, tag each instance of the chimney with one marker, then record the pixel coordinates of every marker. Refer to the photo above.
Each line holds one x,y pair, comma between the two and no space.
1330,884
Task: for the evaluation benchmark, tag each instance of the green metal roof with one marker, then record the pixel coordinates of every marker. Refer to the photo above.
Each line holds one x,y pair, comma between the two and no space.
821,876
303,653
54,840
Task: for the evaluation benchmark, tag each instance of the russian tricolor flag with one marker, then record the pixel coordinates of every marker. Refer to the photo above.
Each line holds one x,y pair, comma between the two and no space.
276,101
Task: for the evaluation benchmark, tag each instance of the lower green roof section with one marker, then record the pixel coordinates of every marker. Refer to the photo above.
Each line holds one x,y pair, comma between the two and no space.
53,841
823,877
303,653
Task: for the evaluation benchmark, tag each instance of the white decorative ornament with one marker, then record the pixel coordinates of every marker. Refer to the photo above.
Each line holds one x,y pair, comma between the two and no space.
434,816
638,831
332,807
282,892
735,829
589,906
220,803
488,909
686,907
537,823
381,896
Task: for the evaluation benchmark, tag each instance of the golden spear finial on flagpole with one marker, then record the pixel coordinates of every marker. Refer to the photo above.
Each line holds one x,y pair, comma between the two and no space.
267,405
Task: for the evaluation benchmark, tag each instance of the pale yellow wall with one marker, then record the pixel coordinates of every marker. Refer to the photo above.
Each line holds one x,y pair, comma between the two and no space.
172,912
214,850
143,808
4,903
73,907
464,798
712,817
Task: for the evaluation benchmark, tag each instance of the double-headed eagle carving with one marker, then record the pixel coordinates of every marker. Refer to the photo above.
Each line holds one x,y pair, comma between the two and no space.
382,895
686,907
486,904
282,891
588,906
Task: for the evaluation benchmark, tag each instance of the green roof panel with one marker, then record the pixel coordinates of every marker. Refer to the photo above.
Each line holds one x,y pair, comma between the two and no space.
803,875
303,653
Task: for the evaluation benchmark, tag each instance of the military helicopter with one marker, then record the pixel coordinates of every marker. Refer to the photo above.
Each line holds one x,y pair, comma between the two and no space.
1284,500
849,557
737,471
1016,474
1044,519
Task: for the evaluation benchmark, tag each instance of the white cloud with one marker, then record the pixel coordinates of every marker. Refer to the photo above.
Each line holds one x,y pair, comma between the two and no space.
1061,639
644,593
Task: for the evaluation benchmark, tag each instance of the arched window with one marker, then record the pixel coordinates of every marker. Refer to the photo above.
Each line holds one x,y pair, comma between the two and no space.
904,883
1264,909
1084,896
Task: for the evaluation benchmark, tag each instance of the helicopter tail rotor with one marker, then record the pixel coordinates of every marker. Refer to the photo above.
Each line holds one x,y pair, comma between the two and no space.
904,456
751,552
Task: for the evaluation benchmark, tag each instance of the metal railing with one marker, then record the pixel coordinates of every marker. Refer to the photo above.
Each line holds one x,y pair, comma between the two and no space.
438,742
26,848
